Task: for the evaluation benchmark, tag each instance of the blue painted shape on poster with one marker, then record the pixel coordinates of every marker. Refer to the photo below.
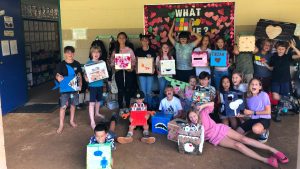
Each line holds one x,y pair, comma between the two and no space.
98,153
66,84
218,58
104,162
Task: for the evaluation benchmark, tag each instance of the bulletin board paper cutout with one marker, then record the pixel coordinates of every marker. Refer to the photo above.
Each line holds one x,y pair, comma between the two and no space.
218,58
79,33
167,67
99,156
215,19
145,65
8,22
69,43
9,33
122,61
246,43
13,47
96,71
5,48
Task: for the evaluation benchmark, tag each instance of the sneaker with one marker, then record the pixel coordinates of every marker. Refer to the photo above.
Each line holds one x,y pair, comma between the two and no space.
277,117
264,137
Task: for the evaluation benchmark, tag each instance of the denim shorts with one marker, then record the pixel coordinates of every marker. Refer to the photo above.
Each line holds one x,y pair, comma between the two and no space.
96,94
71,98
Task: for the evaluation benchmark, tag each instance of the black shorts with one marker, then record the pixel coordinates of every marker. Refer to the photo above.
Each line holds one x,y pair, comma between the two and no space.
247,126
96,94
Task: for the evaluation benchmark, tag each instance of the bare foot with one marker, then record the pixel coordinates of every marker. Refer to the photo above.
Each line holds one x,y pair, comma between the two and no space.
60,129
73,124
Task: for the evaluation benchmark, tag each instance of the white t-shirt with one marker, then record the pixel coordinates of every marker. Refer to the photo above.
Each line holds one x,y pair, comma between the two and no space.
172,106
204,68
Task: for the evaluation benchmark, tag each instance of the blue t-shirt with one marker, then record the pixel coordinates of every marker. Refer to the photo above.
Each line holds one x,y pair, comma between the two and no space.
184,56
98,83
260,70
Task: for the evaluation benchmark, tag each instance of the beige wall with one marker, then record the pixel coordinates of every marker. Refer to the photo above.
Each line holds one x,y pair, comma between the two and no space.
103,17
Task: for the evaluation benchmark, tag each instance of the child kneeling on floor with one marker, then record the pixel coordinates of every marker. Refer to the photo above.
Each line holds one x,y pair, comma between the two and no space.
221,134
139,101
171,104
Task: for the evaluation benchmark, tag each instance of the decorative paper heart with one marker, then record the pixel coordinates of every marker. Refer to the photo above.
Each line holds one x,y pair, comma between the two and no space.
220,27
157,38
216,17
217,60
152,14
171,14
224,18
217,31
197,22
213,30
221,11
273,31
227,24
209,14
167,19
208,23
155,29
150,29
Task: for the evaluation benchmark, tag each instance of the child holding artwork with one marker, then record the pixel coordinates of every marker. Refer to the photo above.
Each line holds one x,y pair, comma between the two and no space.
60,72
281,78
259,108
146,80
204,78
225,88
204,47
125,79
139,101
171,104
184,51
220,134
262,70
219,72
164,54
95,88
102,135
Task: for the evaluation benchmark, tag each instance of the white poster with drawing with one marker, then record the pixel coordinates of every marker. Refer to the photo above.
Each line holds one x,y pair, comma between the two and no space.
13,47
96,71
8,22
5,47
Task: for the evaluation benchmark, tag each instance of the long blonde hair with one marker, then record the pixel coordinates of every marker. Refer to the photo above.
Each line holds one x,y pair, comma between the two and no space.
195,111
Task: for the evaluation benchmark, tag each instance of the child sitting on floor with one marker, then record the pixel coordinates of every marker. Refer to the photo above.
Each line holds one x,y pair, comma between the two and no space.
139,101
220,134
171,104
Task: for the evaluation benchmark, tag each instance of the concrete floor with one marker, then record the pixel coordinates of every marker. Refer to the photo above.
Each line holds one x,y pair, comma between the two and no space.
32,143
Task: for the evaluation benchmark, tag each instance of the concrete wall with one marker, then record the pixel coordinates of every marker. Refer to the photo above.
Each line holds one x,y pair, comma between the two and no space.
103,17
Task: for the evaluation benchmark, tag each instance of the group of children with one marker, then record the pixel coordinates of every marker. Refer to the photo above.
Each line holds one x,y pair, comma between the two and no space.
256,117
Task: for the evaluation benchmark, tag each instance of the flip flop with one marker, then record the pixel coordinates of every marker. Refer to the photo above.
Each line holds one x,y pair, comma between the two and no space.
281,157
272,161
148,140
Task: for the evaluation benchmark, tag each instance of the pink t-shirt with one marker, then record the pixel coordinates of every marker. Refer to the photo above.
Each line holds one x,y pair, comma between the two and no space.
213,132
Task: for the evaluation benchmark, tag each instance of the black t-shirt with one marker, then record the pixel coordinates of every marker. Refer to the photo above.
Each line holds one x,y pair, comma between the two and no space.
61,68
281,67
139,52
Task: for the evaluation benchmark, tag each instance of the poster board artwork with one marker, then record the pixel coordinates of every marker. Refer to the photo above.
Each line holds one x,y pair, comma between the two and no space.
99,156
70,83
122,61
167,67
246,43
218,58
215,19
199,59
96,71
181,24
145,65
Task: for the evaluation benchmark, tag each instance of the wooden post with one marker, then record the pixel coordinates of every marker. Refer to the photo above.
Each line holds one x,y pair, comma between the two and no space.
2,147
